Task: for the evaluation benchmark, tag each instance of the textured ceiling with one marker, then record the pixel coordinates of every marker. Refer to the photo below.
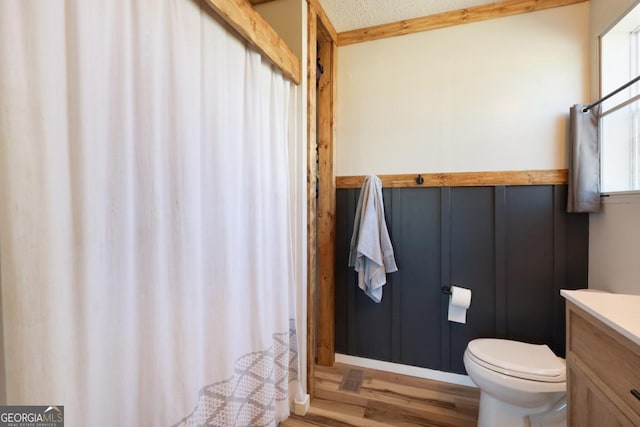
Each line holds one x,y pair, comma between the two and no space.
348,15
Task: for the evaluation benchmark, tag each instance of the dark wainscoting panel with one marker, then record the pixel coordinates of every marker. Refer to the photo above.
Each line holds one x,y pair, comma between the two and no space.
344,276
417,305
472,266
513,246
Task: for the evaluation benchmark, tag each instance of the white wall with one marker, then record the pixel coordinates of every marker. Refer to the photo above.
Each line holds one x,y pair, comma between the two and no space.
614,246
614,240
490,95
605,13
289,19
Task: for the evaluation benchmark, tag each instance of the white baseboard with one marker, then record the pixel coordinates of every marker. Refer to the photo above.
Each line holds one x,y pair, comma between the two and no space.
301,408
413,371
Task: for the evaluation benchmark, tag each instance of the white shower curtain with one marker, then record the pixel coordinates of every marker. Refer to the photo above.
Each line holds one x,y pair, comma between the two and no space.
145,236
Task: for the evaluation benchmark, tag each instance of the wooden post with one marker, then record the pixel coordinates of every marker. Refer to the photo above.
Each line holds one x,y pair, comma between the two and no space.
312,174
326,200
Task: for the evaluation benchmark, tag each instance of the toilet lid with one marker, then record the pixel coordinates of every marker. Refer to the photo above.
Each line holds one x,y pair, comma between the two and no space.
518,359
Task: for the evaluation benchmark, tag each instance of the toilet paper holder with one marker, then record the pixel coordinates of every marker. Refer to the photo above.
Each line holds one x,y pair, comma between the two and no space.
446,290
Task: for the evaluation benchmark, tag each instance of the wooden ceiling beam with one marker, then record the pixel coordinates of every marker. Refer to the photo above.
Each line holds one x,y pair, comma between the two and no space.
241,15
257,2
448,19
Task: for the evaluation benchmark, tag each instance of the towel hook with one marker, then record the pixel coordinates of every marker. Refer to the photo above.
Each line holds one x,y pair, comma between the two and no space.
419,179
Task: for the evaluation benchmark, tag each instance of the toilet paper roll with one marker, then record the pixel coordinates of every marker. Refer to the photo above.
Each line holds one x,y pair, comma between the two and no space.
459,302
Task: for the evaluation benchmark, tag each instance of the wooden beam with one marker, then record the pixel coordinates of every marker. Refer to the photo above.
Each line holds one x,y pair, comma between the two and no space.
252,27
257,2
312,174
326,202
324,18
464,179
448,19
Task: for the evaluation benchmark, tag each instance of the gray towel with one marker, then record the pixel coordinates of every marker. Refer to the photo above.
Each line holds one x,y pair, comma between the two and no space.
584,160
371,252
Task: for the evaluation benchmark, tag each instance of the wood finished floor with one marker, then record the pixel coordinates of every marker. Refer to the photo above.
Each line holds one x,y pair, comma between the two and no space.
387,399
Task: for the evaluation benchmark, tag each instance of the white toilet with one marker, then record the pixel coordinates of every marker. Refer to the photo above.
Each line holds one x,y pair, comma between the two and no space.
520,384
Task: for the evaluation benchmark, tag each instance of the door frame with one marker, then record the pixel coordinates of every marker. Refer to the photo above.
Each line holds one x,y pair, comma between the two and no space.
320,191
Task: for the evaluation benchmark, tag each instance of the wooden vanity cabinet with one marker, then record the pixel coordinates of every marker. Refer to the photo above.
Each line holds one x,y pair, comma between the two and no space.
603,373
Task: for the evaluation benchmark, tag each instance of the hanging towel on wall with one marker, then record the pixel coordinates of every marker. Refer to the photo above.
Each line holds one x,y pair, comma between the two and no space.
371,252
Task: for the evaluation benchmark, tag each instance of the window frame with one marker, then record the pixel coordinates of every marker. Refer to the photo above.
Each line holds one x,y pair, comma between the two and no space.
633,166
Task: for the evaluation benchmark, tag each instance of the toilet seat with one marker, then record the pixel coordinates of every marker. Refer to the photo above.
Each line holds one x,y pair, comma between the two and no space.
517,359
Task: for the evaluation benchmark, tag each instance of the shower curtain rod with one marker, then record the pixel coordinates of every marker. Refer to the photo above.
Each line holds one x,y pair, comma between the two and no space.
601,100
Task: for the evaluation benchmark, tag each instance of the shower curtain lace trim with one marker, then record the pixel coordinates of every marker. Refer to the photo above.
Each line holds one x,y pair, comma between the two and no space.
249,397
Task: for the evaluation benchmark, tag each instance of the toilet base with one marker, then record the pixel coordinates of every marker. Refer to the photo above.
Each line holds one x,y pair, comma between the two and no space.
496,413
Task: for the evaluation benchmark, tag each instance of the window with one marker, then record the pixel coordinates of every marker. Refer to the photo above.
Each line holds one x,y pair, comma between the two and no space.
620,121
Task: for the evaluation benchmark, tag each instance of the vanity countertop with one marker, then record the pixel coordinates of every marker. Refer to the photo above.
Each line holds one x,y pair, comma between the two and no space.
619,311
